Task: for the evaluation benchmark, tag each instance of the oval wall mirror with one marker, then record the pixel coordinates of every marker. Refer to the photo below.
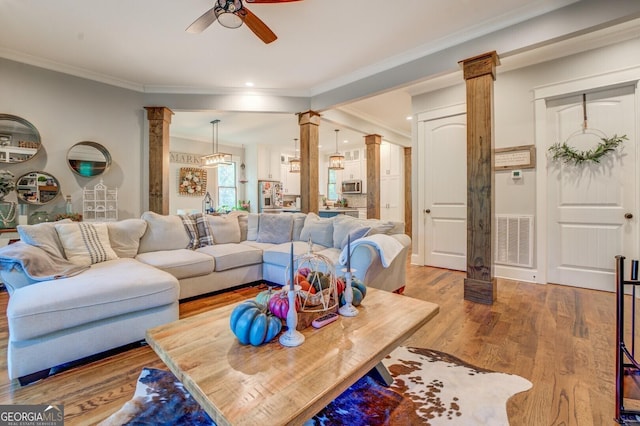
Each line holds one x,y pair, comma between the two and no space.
19,139
88,158
37,188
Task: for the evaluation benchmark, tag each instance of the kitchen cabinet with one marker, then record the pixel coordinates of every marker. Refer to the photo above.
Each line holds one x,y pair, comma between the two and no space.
353,165
391,198
390,159
268,164
290,181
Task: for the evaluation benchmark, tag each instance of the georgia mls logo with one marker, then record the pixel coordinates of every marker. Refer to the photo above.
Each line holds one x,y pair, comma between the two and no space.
31,415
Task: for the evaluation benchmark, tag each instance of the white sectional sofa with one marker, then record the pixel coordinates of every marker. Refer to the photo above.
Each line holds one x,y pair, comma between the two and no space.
79,289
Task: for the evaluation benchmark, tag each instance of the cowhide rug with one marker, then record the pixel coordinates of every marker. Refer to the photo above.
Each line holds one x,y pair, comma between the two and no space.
430,388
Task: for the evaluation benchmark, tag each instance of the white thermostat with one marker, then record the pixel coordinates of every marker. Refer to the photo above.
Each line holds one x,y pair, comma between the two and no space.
516,174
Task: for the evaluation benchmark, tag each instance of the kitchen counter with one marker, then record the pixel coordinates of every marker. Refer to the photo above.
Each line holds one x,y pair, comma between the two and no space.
338,210
327,212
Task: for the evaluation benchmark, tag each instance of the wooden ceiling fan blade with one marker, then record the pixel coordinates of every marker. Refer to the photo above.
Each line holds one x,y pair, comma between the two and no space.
203,22
258,27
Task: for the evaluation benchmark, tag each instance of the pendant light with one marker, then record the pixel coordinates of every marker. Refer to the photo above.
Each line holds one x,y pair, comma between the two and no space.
294,163
217,158
336,160
243,168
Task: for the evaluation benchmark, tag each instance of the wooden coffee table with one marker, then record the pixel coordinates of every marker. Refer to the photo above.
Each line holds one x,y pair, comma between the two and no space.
275,385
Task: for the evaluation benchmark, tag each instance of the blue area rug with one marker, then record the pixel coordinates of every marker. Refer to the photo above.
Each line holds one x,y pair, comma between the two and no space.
430,388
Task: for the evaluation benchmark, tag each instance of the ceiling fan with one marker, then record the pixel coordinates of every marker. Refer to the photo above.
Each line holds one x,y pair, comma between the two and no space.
232,14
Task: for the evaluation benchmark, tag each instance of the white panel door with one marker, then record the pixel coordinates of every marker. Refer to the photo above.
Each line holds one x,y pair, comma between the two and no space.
588,203
445,215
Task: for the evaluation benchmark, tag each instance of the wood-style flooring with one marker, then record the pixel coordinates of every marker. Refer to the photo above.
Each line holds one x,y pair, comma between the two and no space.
560,338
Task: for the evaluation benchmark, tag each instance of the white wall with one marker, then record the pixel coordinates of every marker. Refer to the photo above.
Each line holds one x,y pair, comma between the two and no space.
67,110
514,114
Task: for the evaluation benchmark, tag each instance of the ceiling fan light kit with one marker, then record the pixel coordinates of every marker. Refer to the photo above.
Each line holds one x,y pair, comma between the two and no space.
232,14
228,13
217,158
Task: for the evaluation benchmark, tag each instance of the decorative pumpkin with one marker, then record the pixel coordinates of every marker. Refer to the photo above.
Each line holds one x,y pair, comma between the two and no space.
279,304
340,285
264,296
360,286
251,325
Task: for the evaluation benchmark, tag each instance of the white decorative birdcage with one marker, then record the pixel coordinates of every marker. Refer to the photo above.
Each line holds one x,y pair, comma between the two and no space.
315,280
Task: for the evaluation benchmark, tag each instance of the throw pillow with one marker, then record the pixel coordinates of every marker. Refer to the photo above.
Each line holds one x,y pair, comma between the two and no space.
298,224
163,233
320,231
342,225
225,229
275,228
359,232
85,243
189,223
125,235
44,236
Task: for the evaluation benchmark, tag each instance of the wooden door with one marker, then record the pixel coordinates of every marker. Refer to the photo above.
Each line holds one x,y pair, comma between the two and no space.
445,213
587,203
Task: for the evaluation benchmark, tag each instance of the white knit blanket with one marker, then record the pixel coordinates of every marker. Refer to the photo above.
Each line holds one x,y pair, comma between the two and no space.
388,248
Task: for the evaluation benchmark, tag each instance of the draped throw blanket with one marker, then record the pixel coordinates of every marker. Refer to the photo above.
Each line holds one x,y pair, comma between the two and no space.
198,230
37,263
387,246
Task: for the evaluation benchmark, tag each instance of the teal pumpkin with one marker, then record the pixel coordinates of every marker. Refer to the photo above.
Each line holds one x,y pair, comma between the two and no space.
251,325
359,292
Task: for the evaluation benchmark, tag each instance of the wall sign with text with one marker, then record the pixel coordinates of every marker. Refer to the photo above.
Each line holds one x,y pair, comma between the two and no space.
517,157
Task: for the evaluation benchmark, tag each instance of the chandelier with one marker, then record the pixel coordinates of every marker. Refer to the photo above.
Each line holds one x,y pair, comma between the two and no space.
294,163
216,158
336,160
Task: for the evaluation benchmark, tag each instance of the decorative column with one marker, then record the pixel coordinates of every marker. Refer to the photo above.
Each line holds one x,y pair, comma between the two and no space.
407,192
372,145
309,182
159,120
479,74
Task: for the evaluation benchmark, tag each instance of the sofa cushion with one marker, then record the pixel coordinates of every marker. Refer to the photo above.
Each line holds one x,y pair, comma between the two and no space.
345,226
243,222
298,224
106,290
280,254
44,236
224,229
229,256
125,236
163,233
252,226
85,243
319,230
275,228
181,263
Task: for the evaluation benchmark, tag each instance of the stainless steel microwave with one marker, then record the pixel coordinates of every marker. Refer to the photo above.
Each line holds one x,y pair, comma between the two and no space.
352,186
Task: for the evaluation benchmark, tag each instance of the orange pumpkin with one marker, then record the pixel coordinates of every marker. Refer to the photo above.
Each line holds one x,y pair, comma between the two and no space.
306,286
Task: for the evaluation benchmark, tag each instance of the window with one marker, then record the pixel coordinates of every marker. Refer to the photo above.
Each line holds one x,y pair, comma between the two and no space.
227,192
332,186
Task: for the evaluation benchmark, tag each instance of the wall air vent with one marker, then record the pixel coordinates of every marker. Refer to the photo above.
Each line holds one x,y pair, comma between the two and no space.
514,242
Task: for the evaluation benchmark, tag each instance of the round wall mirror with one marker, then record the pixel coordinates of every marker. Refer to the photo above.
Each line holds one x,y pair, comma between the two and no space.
19,139
88,158
37,188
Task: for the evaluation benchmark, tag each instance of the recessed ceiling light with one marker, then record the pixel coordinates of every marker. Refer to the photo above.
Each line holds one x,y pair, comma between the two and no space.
409,117
345,141
249,84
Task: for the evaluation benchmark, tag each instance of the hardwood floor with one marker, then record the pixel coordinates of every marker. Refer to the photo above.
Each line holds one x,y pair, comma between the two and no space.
560,338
